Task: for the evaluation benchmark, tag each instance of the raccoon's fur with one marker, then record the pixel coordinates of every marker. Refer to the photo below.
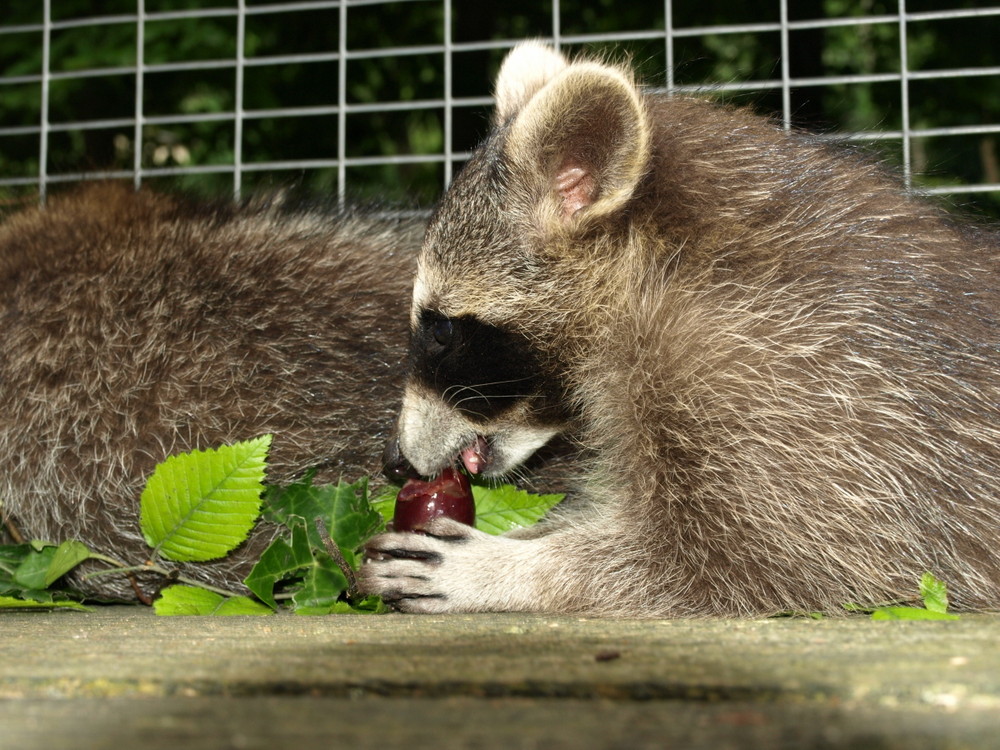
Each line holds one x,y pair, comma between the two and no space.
136,326
785,368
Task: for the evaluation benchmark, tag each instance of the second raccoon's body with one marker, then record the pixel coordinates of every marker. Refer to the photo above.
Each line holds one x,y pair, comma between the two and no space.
785,369
137,325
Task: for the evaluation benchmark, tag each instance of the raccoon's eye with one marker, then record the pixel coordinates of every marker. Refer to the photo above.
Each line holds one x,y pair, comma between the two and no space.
442,331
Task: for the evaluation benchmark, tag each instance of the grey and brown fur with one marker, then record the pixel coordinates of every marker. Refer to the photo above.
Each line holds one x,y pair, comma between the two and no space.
135,326
785,367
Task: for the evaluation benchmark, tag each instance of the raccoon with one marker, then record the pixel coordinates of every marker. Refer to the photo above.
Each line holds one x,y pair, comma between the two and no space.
137,325
783,368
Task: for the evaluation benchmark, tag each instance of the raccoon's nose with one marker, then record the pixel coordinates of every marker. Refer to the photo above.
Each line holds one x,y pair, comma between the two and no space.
395,467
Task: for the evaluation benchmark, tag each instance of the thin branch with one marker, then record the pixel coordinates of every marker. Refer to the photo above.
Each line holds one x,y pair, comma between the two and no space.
338,557
15,533
149,567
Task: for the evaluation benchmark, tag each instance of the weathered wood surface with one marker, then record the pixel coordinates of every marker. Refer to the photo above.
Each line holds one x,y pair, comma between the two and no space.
121,677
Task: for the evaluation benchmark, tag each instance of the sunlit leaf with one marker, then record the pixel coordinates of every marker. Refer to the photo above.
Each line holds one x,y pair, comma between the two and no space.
934,593
191,600
501,509
910,613
200,505
10,602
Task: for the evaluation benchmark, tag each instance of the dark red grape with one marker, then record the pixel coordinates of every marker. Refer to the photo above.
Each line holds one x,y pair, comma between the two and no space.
419,502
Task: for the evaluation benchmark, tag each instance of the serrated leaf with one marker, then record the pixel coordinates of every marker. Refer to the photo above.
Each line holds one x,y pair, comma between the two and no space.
10,602
934,593
200,505
191,600
343,507
68,555
501,509
322,584
281,561
910,613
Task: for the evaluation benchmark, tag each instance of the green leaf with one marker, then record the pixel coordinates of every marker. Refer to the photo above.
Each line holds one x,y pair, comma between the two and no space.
343,507
385,502
934,593
27,570
372,605
322,584
200,505
32,572
191,600
11,558
10,602
935,596
501,509
910,613
320,580
281,561
68,555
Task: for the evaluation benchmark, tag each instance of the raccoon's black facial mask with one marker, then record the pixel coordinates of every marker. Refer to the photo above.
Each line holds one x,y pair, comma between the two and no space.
478,368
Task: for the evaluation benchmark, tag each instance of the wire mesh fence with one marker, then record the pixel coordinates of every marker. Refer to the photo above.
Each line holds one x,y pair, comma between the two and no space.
386,99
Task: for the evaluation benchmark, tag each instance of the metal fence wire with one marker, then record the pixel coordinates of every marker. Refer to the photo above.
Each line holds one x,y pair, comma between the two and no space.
373,98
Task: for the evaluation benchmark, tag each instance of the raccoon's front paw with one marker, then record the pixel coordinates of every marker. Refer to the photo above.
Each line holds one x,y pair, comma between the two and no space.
450,568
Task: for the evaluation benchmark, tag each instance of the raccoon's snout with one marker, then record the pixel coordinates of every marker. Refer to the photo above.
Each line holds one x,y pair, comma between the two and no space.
395,467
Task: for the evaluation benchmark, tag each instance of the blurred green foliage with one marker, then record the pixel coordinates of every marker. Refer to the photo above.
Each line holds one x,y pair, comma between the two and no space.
416,81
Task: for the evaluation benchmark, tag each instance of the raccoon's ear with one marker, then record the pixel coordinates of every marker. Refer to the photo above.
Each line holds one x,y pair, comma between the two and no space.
580,145
528,67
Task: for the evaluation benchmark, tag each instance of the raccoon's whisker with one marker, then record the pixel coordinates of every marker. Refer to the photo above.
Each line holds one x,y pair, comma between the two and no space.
448,391
456,393
451,391
480,396
508,380
495,397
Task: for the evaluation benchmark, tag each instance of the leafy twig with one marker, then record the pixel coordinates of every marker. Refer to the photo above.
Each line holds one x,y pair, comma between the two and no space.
150,567
338,557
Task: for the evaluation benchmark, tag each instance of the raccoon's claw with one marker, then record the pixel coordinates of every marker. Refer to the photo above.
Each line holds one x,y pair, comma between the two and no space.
426,572
425,546
396,598
399,553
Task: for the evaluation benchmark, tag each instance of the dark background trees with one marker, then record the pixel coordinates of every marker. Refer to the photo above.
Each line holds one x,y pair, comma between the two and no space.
189,110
